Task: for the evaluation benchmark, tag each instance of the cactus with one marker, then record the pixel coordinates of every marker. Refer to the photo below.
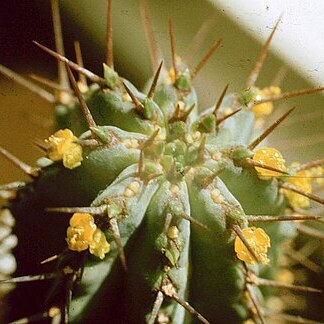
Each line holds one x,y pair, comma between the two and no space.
154,210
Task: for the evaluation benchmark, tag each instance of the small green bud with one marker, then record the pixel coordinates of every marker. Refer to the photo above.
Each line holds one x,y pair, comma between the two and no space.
101,133
161,242
177,129
170,149
235,216
176,149
180,148
110,75
113,210
176,208
152,168
201,175
248,95
183,81
207,124
241,154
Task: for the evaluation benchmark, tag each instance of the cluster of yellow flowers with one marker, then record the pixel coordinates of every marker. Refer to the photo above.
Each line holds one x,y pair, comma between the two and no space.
63,146
303,180
259,242
257,239
83,233
266,108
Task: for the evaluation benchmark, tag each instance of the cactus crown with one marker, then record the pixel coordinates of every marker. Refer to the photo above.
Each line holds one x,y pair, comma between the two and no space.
163,198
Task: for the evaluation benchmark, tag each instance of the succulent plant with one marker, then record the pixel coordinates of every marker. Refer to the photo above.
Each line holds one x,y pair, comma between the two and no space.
153,209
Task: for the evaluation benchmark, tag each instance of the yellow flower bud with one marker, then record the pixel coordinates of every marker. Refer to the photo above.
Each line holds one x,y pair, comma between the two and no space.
303,180
258,240
62,146
173,232
269,157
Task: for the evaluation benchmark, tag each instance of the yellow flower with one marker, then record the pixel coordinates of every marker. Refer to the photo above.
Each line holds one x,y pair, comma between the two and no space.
83,234
296,200
270,157
80,232
258,240
62,146
303,180
265,108
73,156
99,245
57,143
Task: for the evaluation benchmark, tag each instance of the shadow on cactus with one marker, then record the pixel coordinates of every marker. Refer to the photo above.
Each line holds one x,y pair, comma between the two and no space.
169,215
